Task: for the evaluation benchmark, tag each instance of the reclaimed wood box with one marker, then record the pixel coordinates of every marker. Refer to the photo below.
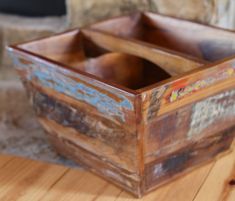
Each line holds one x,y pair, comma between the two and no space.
139,99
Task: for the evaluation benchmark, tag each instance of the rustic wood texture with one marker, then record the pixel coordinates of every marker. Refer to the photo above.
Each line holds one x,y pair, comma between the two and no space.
25,180
173,34
135,110
171,62
167,167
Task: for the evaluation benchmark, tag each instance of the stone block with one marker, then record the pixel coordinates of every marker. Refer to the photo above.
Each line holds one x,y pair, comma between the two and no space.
82,12
201,11
15,29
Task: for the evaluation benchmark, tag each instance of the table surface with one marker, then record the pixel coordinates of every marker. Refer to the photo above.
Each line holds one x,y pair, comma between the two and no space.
23,179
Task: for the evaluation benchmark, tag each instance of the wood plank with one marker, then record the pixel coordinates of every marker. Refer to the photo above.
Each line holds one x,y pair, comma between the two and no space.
22,179
173,191
190,122
231,196
185,160
120,177
214,187
4,159
229,187
79,185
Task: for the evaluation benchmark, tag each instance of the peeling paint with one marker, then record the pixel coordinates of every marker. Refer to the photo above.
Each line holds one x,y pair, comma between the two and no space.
158,170
183,91
77,118
206,112
154,102
190,156
58,81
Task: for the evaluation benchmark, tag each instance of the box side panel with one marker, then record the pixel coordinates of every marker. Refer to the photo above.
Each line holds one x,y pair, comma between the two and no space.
78,110
166,168
188,109
90,161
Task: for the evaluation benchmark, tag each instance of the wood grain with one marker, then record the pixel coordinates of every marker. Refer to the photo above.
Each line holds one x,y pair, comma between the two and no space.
4,160
174,64
214,189
23,180
173,190
138,99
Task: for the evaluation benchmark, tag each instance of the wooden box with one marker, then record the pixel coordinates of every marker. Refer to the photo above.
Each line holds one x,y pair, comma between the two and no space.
138,99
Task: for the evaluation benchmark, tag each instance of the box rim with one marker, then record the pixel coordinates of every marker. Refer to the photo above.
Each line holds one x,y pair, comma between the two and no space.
129,91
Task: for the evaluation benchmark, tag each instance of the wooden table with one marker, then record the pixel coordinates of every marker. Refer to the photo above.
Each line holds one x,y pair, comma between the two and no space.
22,179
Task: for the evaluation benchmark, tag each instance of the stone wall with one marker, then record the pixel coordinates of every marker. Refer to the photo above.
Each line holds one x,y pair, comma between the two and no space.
82,12
85,12
14,29
219,12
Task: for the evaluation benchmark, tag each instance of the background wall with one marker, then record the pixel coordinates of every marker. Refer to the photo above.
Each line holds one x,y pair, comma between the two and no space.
205,11
14,29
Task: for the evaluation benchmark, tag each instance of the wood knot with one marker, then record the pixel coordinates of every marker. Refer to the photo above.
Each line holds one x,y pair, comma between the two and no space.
232,182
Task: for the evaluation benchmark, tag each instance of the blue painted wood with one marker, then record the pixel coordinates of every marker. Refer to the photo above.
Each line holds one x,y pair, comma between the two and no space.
61,81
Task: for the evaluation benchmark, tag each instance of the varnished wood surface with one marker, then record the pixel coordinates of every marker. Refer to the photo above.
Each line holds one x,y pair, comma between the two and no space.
24,180
137,106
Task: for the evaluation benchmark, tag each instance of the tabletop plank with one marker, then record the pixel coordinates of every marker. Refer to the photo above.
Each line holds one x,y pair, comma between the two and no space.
217,183
231,196
77,185
182,189
4,159
23,180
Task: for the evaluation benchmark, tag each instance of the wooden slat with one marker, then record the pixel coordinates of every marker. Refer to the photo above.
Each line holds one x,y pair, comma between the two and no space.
21,179
216,184
174,191
78,185
27,180
231,196
4,159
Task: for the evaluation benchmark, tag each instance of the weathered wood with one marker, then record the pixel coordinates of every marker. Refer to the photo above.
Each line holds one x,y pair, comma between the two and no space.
4,160
113,142
166,167
189,39
216,186
172,63
189,123
108,96
94,162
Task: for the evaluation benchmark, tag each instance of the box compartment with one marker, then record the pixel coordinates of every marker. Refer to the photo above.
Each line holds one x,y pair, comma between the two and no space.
192,40
129,64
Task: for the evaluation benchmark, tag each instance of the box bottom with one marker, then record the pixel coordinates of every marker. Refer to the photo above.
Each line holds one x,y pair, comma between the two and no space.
174,164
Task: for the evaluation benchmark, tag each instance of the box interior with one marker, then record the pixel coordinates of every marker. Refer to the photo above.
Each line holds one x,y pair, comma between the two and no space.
138,50
78,51
199,41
